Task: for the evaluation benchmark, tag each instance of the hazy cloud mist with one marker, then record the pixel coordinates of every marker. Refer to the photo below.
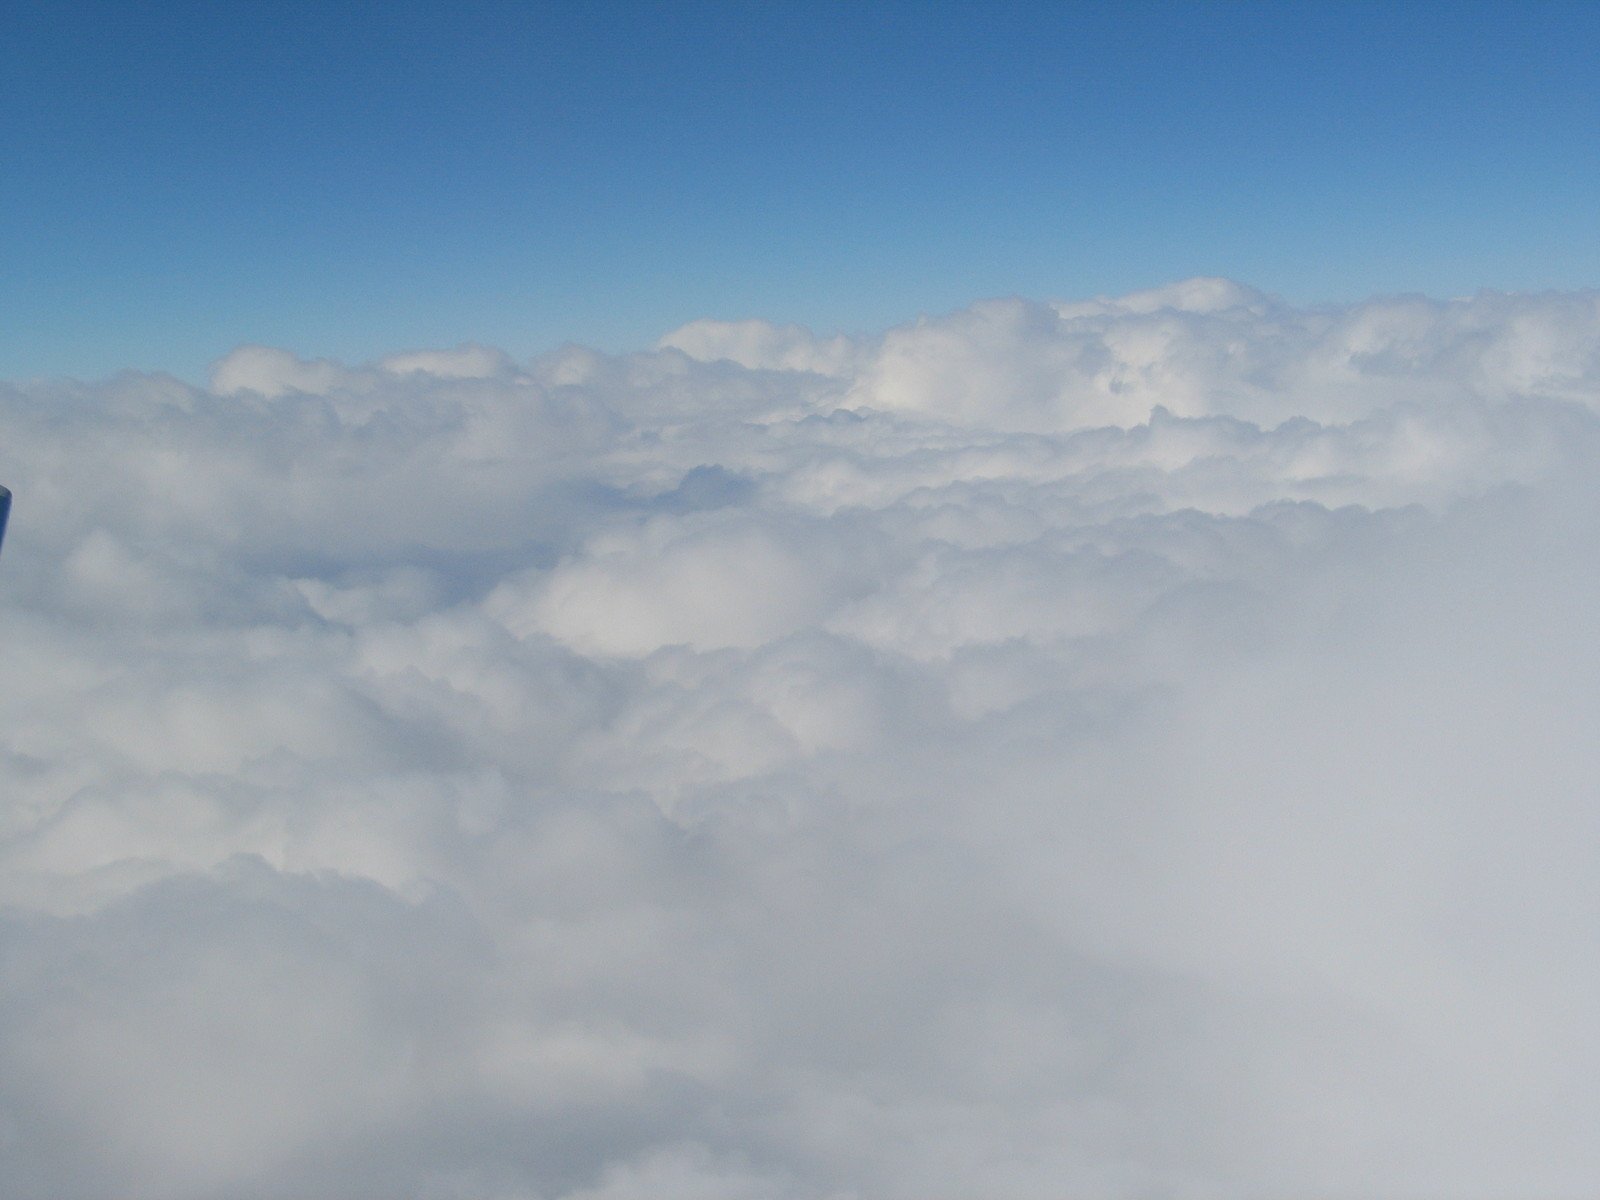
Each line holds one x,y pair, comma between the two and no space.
1140,747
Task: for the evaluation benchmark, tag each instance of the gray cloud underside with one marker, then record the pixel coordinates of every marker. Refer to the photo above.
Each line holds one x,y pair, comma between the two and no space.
1142,747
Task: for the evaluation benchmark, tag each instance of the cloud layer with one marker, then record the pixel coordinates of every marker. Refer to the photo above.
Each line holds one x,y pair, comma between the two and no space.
1137,747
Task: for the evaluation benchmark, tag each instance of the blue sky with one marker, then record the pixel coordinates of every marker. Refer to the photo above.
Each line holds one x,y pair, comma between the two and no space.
350,179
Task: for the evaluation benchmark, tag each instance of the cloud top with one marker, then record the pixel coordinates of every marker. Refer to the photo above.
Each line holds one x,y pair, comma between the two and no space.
1135,746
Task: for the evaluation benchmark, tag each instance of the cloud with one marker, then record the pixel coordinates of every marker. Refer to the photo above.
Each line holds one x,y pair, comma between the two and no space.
1138,746
271,372
764,347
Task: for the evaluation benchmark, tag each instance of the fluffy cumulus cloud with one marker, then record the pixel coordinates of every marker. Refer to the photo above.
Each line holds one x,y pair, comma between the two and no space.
1133,747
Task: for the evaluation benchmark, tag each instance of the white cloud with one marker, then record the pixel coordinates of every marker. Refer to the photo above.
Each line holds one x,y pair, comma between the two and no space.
705,582
1138,746
764,347
271,372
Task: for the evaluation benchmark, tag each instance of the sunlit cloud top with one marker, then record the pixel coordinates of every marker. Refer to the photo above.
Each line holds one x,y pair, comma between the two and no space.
1140,745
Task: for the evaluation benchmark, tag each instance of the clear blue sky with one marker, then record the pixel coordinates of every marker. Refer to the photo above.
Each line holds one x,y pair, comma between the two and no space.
349,178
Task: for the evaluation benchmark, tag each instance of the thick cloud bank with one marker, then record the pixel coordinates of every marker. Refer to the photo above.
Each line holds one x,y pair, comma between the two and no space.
1142,747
